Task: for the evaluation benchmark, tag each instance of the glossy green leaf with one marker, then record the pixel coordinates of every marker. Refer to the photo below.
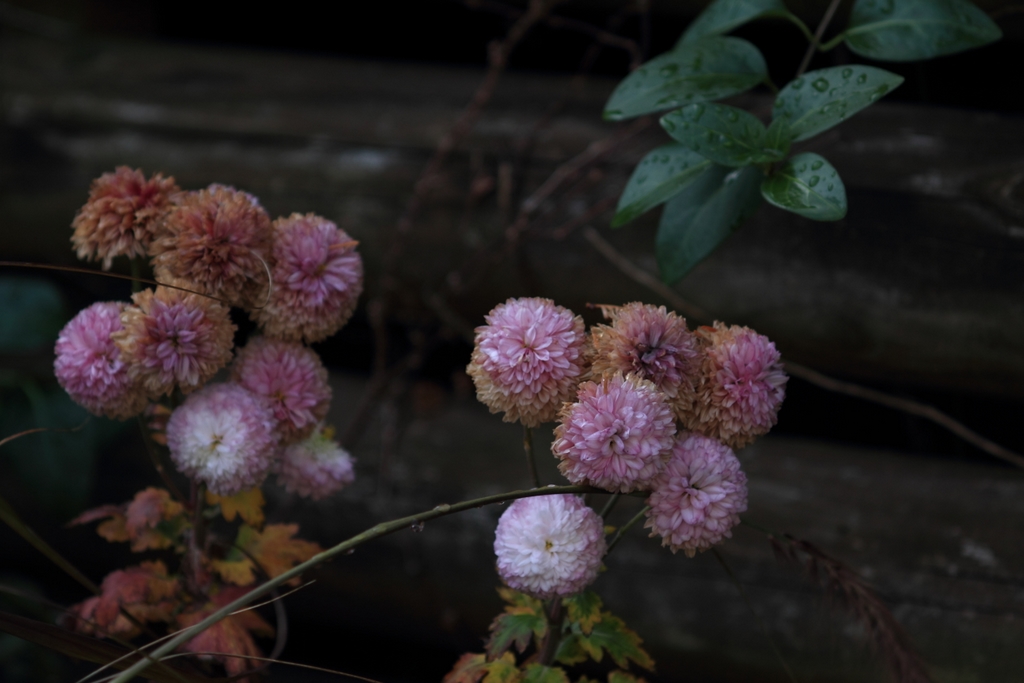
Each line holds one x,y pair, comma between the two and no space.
700,217
659,175
909,30
33,314
821,99
807,185
725,135
700,71
722,16
777,139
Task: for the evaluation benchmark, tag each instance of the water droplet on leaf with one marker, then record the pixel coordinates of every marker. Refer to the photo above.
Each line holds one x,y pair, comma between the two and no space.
820,84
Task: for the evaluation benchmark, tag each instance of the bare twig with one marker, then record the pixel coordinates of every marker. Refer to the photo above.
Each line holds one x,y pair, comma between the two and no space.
807,374
530,460
626,527
854,595
825,21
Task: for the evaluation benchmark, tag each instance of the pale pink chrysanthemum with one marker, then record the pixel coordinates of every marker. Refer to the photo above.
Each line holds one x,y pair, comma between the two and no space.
699,496
89,365
218,241
121,214
224,436
549,546
317,280
528,359
171,337
617,434
742,385
316,467
652,343
292,377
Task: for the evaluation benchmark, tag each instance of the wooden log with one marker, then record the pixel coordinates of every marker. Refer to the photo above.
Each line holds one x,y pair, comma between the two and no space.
918,285
938,539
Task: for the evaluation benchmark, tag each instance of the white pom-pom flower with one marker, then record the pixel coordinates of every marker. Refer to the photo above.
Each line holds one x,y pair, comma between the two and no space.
549,546
224,436
316,467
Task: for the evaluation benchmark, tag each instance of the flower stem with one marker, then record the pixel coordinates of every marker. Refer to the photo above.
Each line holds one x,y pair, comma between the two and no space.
816,40
549,646
607,509
530,460
626,527
370,534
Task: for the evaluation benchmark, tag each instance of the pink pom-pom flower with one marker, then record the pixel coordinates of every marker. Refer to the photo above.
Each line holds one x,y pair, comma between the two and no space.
89,365
316,467
174,338
616,436
528,359
317,280
652,343
224,436
742,386
549,546
291,377
121,215
699,496
217,240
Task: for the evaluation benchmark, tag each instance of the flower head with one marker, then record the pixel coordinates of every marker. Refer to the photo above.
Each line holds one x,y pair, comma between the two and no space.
317,467
616,436
217,240
121,214
549,546
291,377
652,343
223,435
528,359
699,496
89,365
742,385
174,337
317,279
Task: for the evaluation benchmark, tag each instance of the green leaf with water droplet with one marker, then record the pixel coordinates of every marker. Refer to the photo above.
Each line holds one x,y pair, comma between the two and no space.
698,219
821,99
725,135
700,71
908,30
808,186
722,16
659,175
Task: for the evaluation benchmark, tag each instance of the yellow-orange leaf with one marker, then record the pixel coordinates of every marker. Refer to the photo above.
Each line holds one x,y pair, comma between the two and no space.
273,549
248,505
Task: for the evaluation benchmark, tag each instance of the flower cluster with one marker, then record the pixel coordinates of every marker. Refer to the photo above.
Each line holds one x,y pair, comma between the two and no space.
643,403
215,248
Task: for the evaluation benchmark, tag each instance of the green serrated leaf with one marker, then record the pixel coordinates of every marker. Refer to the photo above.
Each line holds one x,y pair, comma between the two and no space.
722,16
909,30
700,217
807,185
659,175
570,651
821,99
621,643
33,314
516,626
517,599
538,673
503,670
725,135
583,609
699,71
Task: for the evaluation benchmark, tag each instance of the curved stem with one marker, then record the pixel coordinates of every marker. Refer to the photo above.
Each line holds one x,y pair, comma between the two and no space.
531,461
816,39
610,505
825,47
626,527
795,20
370,534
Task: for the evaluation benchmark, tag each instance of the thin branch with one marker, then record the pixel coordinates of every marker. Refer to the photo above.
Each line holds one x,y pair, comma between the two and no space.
643,277
807,374
609,505
753,612
626,527
370,534
530,459
816,40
